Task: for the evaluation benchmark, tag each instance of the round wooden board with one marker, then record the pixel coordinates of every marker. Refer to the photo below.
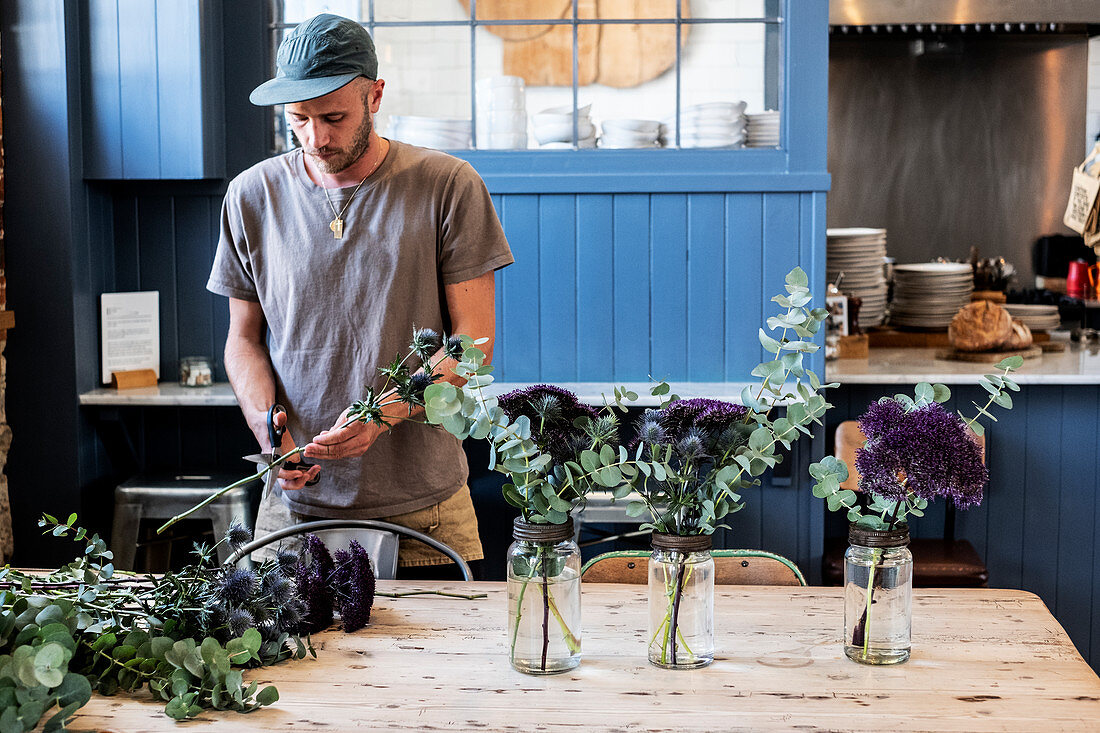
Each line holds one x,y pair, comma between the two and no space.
987,356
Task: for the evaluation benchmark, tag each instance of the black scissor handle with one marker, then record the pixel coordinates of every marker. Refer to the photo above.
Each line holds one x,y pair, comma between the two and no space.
275,434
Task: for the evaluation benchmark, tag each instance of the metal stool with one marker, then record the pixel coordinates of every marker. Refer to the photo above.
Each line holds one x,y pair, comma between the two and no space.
163,497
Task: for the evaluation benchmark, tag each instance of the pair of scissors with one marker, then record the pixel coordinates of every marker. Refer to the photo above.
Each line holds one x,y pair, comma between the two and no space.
275,435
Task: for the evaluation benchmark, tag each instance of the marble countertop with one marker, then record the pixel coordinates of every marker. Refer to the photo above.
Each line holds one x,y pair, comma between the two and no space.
170,394
1075,365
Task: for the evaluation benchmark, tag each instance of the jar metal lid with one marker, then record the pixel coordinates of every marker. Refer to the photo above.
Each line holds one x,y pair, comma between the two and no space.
681,543
897,537
532,532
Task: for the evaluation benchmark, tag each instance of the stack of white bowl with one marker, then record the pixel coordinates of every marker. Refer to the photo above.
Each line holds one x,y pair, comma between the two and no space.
929,294
553,127
709,125
858,254
763,130
430,132
630,133
1035,317
501,113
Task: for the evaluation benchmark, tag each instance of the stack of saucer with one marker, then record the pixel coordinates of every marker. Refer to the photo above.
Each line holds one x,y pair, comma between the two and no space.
630,133
709,125
501,113
929,294
430,132
763,130
553,127
1035,317
858,255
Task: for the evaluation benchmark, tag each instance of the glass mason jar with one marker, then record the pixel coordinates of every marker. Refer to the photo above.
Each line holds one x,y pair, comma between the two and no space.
878,596
544,598
681,602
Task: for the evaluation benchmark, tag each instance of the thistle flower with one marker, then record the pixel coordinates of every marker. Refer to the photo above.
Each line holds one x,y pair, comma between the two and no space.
604,429
928,451
286,560
237,586
425,342
650,431
239,621
238,534
554,430
692,447
278,587
454,348
711,416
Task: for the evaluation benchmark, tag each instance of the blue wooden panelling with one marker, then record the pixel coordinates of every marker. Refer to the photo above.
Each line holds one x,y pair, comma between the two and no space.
668,286
520,291
103,126
780,248
744,261
194,308
1041,506
595,287
1077,498
706,286
557,303
179,89
630,252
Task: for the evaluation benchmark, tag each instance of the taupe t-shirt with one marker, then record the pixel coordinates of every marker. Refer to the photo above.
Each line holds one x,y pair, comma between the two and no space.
338,309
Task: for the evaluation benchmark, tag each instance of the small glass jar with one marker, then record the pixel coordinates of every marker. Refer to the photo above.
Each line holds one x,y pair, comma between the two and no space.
878,596
544,598
196,371
681,602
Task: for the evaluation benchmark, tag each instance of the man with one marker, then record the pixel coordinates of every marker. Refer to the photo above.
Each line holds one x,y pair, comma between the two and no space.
330,255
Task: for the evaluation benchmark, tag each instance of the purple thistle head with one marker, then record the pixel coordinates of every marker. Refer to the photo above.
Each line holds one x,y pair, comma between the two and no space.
239,621
314,588
692,447
454,348
286,560
355,583
278,587
238,585
238,534
552,412
425,342
929,451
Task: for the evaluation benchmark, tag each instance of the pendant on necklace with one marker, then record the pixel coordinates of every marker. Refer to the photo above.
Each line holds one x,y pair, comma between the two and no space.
337,227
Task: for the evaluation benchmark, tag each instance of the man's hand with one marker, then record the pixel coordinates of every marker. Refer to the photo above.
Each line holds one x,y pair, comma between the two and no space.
290,480
344,442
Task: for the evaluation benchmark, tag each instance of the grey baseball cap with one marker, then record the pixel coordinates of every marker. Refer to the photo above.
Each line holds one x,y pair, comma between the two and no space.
319,56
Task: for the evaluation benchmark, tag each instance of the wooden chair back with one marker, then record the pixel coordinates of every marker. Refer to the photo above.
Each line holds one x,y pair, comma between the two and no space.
731,567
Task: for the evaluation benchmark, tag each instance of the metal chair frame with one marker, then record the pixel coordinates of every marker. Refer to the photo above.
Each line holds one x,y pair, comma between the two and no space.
716,554
326,524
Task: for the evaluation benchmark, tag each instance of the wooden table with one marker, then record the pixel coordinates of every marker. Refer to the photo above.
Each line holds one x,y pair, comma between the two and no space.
982,660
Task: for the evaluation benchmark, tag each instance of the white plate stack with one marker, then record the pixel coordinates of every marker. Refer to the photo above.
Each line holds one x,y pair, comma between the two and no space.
630,133
929,294
553,128
858,253
762,130
709,125
501,113
1035,317
430,132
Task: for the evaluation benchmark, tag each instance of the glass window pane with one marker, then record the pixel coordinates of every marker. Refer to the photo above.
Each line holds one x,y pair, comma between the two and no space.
722,79
530,10
427,96
733,8
637,9
295,11
413,10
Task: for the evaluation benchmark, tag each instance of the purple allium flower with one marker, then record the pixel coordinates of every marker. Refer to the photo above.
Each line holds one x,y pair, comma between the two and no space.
552,421
313,586
238,534
928,451
354,581
711,416
240,621
238,585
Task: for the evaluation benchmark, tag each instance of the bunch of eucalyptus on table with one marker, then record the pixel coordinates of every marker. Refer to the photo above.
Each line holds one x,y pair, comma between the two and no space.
696,455
554,451
915,451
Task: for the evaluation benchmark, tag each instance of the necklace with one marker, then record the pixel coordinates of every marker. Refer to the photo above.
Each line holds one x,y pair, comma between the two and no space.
337,223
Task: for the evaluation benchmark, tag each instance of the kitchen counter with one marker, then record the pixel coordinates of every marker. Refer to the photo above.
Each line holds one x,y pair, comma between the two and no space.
1076,365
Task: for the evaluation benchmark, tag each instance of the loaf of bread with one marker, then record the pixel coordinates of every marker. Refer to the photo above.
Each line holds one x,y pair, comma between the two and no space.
980,326
1020,338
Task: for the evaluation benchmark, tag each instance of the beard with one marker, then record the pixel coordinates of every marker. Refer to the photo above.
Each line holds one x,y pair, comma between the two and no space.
343,158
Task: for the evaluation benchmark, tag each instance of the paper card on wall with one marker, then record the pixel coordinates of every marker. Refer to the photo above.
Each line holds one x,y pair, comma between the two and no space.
130,332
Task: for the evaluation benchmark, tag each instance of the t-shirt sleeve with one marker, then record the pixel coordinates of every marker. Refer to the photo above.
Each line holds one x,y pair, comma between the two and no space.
231,274
472,241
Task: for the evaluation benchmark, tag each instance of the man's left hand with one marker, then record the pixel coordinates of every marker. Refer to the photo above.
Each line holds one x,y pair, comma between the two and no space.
344,442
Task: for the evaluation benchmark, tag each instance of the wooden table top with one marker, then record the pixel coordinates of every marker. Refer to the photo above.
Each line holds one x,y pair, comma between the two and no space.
983,660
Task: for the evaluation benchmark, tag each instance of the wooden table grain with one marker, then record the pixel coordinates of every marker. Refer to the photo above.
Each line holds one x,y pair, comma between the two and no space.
983,660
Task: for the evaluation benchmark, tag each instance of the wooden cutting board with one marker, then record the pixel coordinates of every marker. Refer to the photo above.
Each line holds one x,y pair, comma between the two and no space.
987,357
617,55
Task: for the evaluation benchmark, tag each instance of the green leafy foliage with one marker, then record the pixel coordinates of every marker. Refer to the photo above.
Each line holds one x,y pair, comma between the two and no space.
86,628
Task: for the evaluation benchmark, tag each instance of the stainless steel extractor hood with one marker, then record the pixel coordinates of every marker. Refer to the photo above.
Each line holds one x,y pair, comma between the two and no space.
1028,16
